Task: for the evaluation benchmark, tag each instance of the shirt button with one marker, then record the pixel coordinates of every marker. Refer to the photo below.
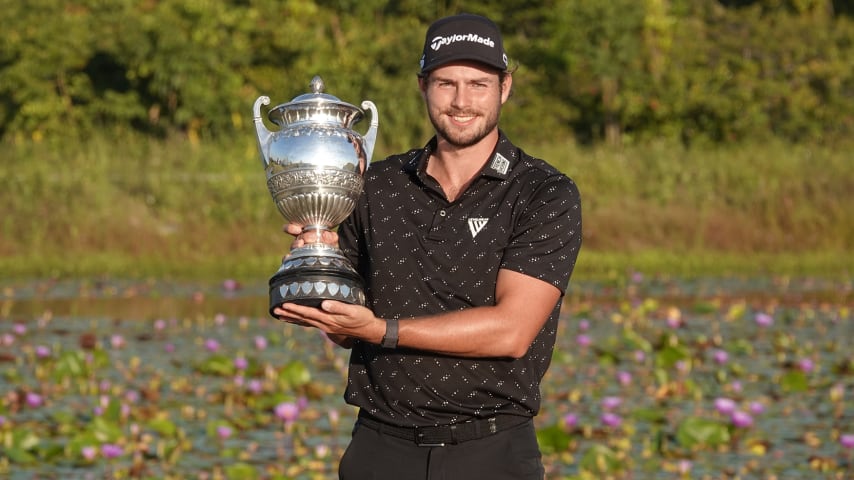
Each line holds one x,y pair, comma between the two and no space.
442,213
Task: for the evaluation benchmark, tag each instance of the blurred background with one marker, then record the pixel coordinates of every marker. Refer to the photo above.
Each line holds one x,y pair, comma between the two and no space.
707,137
707,328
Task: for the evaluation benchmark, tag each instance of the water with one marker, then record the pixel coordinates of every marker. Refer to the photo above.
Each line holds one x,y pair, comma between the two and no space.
156,376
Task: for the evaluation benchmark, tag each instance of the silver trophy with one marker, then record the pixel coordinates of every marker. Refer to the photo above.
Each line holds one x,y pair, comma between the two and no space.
314,167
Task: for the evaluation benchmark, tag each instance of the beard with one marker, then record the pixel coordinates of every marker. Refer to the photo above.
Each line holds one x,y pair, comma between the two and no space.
461,137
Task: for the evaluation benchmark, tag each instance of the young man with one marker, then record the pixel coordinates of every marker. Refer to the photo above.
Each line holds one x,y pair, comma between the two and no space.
466,247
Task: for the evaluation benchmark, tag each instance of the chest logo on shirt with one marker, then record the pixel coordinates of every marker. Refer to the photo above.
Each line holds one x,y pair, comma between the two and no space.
500,164
476,225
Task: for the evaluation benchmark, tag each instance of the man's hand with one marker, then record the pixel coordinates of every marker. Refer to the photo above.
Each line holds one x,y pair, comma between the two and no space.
336,319
303,238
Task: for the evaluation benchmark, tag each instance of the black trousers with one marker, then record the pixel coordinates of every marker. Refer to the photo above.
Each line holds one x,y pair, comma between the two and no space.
511,454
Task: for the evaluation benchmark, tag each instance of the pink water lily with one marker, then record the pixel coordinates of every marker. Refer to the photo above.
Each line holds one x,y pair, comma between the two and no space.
287,412
212,345
223,432
109,450
763,319
741,419
725,406
611,419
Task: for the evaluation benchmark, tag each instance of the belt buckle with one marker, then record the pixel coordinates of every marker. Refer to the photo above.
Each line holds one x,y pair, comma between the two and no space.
418,436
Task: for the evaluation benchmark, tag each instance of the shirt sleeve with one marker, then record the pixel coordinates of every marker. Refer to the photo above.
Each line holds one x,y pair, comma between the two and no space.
547,233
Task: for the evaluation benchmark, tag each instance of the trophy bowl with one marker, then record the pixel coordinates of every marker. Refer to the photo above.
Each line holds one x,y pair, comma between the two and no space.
314,166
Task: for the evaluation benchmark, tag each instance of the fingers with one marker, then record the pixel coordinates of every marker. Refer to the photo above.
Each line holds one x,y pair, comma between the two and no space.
310,236
293,229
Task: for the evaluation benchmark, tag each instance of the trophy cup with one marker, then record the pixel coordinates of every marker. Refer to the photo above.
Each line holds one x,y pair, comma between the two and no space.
314,166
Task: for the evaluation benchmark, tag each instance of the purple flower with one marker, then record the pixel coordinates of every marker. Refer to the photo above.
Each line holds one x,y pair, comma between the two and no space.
255,386
847,440
288,412
7,339
741,419
110,450
583,340
260,342
223,431
240,363
611,419
640,356
583,324
763,319
720,356
117,341
684,466
89,452
806,365
570,420
230,285
624,378
34,400
756,408
610,403
2,421
160,324
724,406
212,345
219,319
19,329
42,351
736,386
674,317
169,348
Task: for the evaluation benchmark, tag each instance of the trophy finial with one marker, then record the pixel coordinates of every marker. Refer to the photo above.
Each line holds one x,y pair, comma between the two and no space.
317,85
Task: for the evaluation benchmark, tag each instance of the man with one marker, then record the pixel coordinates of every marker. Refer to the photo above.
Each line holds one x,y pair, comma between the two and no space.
466,247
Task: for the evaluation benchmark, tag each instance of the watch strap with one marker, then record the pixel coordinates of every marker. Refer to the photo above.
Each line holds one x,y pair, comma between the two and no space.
391,336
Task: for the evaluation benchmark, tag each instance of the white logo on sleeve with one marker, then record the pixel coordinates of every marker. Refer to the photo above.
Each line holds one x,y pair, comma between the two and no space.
476,225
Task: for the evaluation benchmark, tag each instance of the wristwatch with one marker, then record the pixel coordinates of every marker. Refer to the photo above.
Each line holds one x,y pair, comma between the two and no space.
390,337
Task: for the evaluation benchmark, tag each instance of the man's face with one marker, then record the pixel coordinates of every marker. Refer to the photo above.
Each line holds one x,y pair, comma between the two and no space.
464,101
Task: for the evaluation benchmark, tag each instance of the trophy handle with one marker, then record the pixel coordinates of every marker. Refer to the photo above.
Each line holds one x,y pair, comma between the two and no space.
263,134
371,136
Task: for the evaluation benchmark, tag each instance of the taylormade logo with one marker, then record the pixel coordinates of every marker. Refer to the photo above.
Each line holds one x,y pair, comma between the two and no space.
439,41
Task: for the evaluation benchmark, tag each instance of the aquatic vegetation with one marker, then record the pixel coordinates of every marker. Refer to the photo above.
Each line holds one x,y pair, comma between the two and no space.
661,379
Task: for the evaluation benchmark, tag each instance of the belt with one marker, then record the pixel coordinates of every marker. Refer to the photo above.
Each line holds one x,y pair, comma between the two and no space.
441,435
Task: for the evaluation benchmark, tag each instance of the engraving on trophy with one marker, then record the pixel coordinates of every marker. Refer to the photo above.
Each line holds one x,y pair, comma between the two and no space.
314,166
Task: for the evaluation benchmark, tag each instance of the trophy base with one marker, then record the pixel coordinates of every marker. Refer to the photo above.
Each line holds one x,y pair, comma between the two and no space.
314,273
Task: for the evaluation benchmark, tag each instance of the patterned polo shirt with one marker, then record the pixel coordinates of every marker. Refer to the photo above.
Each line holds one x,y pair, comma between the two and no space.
420,254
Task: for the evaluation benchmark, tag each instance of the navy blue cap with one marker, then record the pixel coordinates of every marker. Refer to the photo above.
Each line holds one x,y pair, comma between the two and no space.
463,37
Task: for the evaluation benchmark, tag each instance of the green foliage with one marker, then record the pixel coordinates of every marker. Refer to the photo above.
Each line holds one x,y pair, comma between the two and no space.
696,432
622,71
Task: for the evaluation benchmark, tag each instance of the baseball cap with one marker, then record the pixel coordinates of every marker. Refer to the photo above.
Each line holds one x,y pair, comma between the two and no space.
463,37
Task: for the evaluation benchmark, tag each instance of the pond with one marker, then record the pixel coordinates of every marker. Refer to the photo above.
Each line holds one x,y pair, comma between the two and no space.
652,377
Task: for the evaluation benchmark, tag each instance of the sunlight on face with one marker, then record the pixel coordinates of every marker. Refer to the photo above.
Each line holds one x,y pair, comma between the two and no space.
464,102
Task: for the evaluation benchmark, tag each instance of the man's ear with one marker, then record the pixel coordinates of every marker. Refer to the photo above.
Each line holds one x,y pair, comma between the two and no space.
422,86
506,87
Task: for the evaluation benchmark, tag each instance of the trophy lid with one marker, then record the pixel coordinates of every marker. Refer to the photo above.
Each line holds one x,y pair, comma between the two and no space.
316,107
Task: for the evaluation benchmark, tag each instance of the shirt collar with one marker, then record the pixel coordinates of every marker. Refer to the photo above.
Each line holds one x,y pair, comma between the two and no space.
504,158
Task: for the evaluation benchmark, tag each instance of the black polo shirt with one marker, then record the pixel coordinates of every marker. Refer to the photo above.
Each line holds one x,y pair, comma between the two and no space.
420,254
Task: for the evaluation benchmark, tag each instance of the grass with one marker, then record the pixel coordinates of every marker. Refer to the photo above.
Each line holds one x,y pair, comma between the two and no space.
138,207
